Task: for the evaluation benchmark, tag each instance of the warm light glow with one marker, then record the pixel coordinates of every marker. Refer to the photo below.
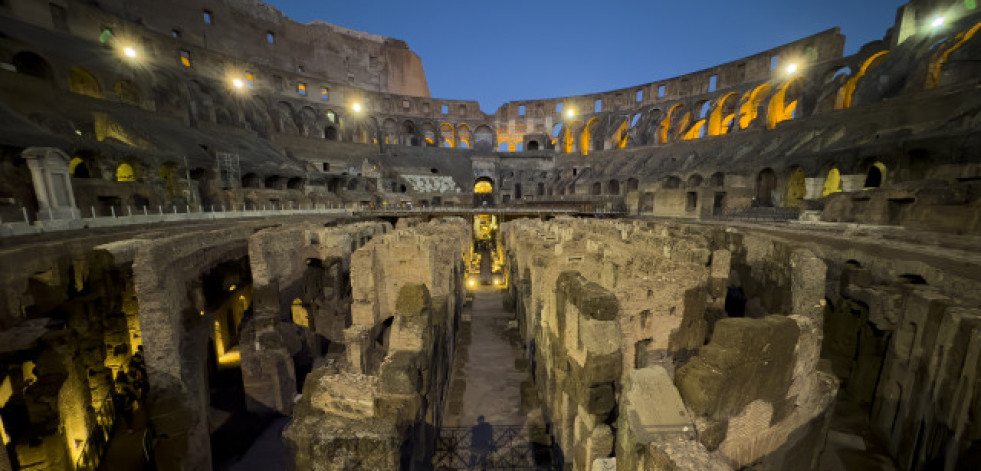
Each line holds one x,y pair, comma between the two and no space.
483,187
232,288
792,68
238,83
128,51
497,282
356,107
938,22
471,283
570,113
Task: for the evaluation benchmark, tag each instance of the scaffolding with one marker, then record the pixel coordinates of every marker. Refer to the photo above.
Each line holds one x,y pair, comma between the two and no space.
229,169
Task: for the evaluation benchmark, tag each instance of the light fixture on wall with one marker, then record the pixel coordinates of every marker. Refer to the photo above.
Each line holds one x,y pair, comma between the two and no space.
356,107
938,22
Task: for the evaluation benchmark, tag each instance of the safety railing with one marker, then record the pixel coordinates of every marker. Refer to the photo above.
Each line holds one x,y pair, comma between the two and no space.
98,442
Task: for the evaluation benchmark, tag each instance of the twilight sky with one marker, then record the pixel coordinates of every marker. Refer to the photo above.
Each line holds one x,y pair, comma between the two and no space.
508,50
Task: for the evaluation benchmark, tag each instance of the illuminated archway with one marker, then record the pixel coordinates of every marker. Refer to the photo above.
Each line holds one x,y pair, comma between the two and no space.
82,82
127,92
796,189
750,107
722,115
845,94
463,135
586,141
665,127
447,135
832,184
569,144
483,186
779,110
621,135
766,183
125,173
940,57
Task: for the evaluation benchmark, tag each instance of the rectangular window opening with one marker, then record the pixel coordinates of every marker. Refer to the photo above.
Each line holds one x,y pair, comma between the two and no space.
270,38
713,82
521,110
324,94
59,17
208,17
662,91
445,109
250,80
300,69
774,62
558,107
640,96
185,58
301,89
175,33
598,106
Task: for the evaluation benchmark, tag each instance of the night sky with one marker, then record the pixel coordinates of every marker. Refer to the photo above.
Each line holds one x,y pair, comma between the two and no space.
508,50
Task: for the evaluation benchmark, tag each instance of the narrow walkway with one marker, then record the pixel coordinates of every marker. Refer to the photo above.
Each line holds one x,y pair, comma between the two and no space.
490,370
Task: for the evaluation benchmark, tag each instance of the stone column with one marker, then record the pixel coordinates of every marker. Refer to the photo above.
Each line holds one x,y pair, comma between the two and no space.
814,187
268,373
852,182
52,182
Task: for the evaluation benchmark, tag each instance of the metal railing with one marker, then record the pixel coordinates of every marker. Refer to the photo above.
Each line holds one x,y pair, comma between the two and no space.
98,441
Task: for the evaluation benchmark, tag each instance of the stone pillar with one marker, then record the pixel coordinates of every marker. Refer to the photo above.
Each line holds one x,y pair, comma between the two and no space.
268,373
814,188
852,182
52,182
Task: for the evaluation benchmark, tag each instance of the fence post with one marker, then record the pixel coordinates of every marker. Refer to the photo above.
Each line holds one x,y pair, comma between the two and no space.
144,212
129,211
27,219
112,210
160,210
93,211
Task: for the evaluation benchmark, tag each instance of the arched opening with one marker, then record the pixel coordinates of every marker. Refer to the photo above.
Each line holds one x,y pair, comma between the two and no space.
31,64
483,185
483,138
446,135
503,147
671,182
463,136
519,147
750,107
532,145
353,185
613,187
597,189
621,135
936,65
586,140
407,134
766,184
127,92
632,184
251,180
274,182
832,183
845,94
796,189
125,173
875,176
695,181
783,104
668,124
84,83
78,168
295,183
330,133
722,116
717,179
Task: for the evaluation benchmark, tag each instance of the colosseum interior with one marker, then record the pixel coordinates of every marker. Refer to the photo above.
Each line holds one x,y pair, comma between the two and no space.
232,241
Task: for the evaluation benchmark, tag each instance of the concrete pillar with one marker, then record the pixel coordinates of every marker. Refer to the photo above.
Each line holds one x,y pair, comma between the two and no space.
52,182
852,182
814,187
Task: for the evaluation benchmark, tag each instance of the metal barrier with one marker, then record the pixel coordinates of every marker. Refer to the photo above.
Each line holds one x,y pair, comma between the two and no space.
98,442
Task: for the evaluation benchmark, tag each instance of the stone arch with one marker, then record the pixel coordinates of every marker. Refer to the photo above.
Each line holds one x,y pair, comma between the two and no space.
796,188
407,134
671,182
427,134
940,58
127,92
286,119
784,103
723,115
832,182
613,187
128,170
251,180
464,136
632,184
695,180
483,138
844,99
597,189
766,185
82,81
31,64
586,139
749,107
875,175
447,135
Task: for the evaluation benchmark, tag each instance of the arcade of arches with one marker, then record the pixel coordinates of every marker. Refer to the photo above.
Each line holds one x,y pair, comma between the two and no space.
205,264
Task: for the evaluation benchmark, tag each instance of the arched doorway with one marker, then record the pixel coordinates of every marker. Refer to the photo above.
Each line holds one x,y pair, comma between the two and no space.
483,192
766,184
796,189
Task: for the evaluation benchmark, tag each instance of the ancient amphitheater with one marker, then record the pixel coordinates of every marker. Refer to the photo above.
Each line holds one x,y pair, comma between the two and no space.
232,241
